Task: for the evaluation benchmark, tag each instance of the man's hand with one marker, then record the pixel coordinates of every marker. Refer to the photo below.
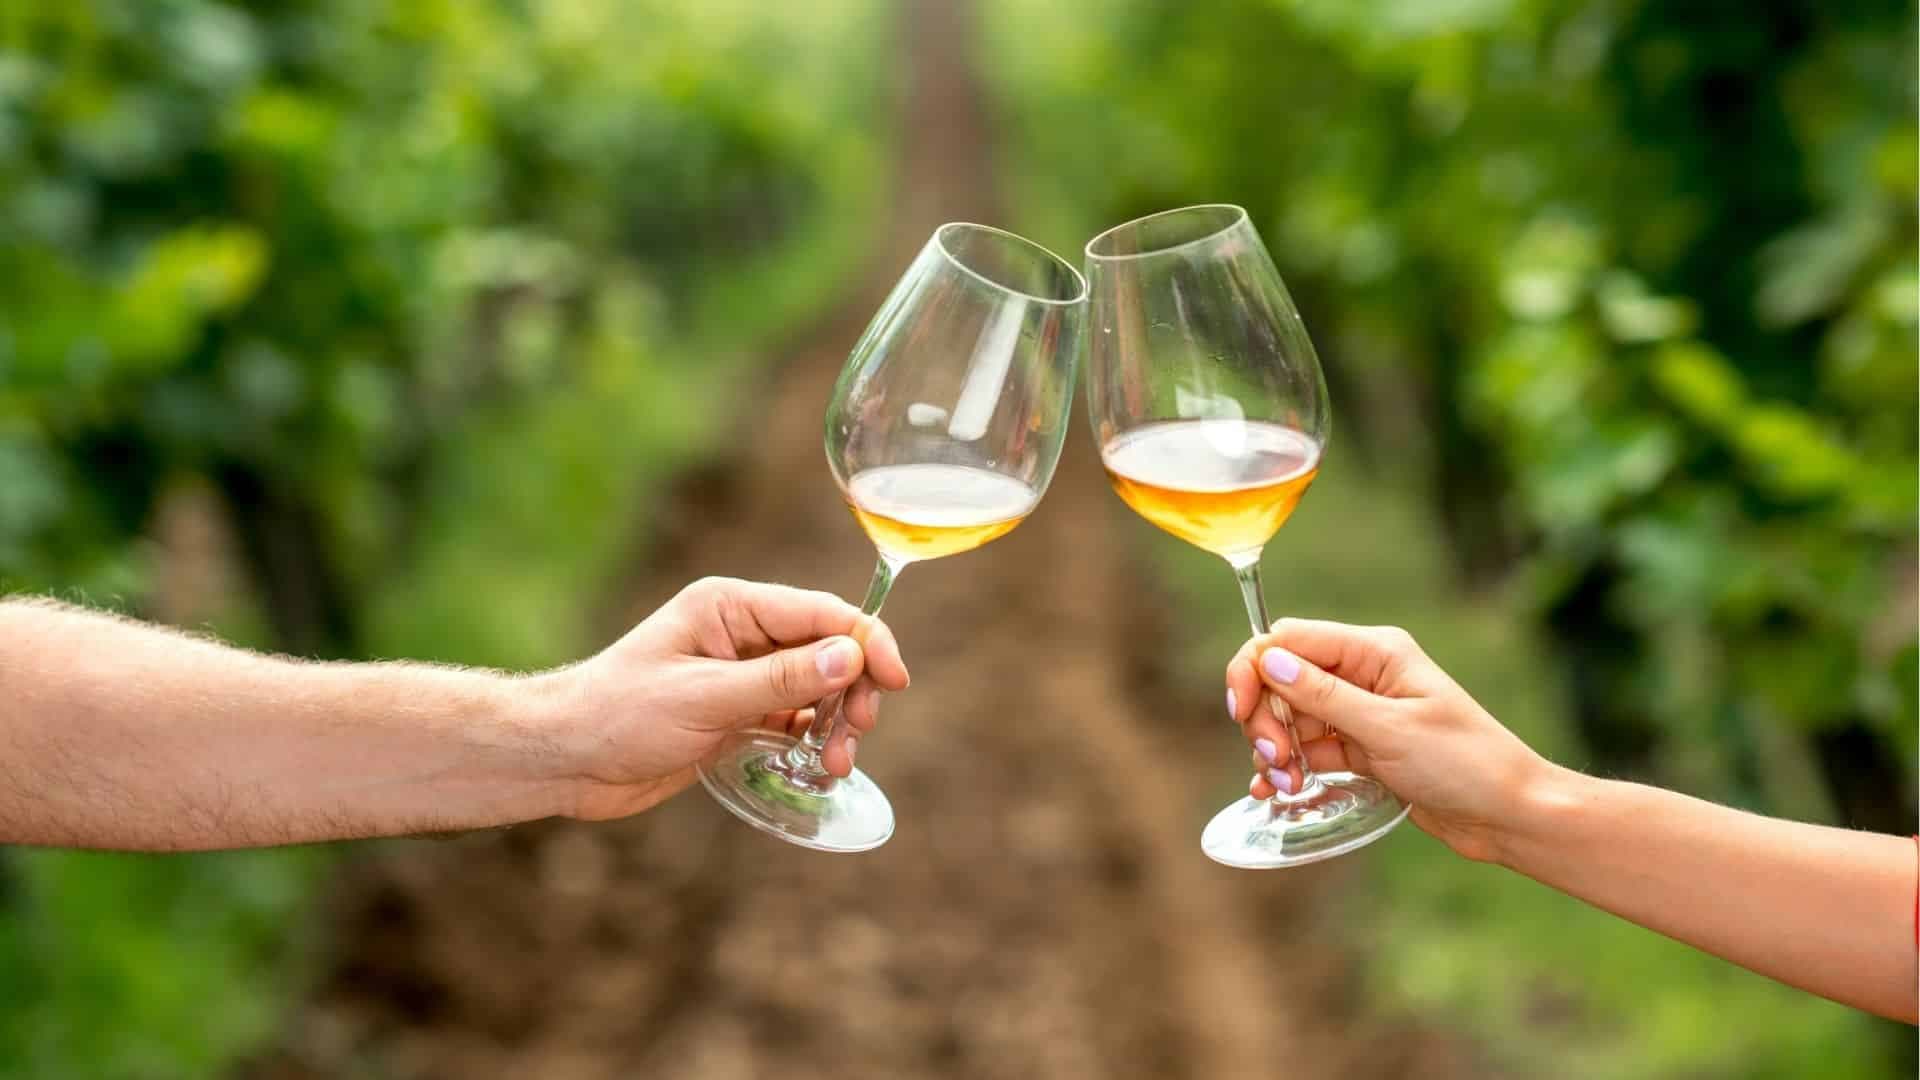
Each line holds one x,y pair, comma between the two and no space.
116,734
722,656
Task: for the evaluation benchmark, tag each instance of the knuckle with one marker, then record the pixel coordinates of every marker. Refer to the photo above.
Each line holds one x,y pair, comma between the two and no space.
1395,639
707,588
1321,692
825,599
783,678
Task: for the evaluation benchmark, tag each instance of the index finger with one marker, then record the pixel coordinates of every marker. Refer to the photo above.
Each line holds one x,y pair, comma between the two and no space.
1243,683
1357,654
790,616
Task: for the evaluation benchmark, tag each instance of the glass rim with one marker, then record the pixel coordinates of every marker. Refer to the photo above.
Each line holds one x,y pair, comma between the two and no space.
1239,218
940,242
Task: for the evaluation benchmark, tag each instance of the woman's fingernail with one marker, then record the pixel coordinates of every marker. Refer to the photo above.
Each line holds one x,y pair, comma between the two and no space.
1267,751
1233,704
1281,666
853,744
1253,785
1281,779
836,659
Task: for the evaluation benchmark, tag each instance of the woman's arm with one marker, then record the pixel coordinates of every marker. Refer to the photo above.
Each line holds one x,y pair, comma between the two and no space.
1828,910
116,734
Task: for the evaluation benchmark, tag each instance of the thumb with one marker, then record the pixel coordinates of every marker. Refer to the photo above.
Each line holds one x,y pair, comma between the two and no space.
788,679
1310,691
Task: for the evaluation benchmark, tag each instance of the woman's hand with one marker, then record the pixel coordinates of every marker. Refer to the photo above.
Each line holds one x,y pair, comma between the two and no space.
722,656
1366,699
1828,910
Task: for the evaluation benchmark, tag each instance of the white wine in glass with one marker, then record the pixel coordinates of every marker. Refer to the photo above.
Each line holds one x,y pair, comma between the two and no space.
1222,486
943,432
1211,414
914,512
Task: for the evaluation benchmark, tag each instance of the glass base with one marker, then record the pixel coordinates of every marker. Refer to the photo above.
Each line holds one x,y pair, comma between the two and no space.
1350,811
751,778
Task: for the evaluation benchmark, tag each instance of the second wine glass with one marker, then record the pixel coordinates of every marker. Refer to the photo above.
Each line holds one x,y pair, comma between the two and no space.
943,433
1211,413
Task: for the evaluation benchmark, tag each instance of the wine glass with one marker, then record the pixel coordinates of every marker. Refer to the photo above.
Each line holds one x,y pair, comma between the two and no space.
1211,414
943,432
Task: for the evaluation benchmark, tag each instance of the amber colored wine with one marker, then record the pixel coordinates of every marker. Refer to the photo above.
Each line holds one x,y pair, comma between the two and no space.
916,512
1222,485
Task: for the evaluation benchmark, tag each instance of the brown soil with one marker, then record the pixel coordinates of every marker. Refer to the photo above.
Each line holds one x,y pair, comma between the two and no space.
1043,910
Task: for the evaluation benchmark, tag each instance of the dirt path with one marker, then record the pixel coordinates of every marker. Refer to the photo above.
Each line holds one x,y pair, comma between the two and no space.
1043,910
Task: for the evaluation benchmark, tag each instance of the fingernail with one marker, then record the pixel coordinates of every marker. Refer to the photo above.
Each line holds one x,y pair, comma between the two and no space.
853,744
1233,704
1267,751
1253,784
835,660
1280,665
1281,779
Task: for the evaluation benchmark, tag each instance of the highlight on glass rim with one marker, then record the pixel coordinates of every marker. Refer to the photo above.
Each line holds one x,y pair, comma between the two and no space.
434,642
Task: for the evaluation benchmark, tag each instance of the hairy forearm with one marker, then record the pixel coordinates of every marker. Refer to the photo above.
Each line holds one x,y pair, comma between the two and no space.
1828,910
115,734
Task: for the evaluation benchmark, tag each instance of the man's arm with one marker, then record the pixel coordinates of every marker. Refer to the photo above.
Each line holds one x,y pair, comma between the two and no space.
1824,909
118,734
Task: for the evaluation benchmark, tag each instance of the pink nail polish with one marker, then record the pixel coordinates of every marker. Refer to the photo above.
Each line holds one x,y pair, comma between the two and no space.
853,744
1233,705
1281,779
1281,666
1267,751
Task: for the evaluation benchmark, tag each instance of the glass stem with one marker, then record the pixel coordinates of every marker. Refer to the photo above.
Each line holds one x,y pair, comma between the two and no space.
1246,570
803,757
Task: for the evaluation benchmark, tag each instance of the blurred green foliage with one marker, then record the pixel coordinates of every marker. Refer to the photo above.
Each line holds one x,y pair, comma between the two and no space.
1619,302
1546,985
1627,292
430,294
145,966
325,253
1642,275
